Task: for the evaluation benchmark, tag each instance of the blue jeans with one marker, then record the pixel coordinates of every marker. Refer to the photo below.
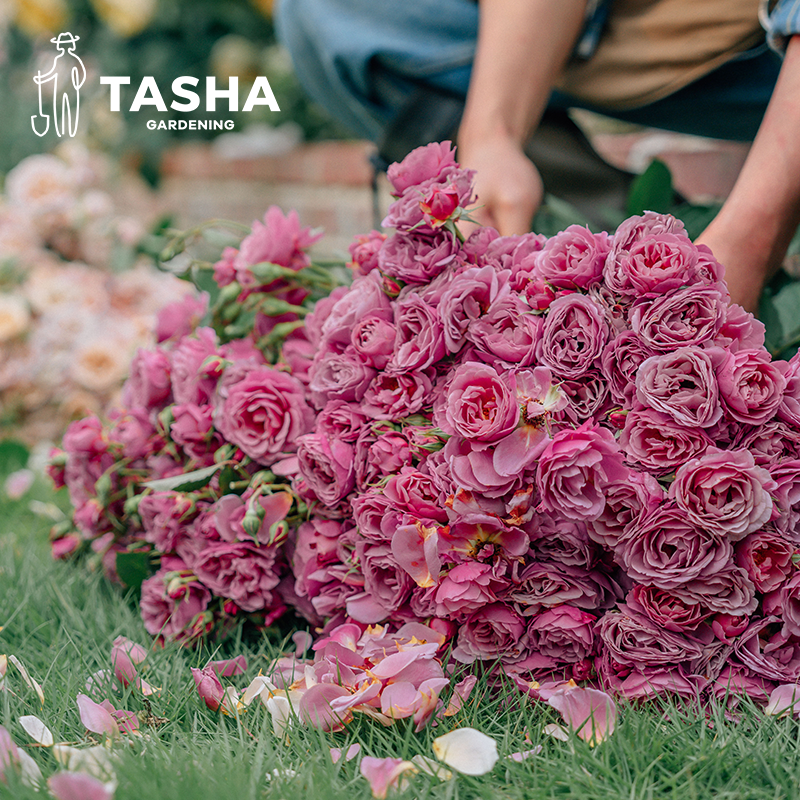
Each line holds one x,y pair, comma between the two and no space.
363,59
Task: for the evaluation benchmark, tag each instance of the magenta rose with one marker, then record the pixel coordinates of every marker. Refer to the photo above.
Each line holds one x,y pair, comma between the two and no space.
751,386
379,455
338,376
684,317
263,413
586,398
561,635
417,259
173,605
241,572
414,493
507,333
790,606
574,335
472,467
494,632
666,609
166,517
364,298
574,469
193,429
724,492
149,383
327,466
573,258
478,404
420,339
386,585
619,363
341,420
392,396
789,409
657,443
769,652
669,550
766,557
466,588
683,385
373,339
192,382
364,252
420,165
727,590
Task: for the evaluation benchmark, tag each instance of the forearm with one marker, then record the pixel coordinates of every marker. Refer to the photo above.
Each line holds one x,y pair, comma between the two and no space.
752,231
522,47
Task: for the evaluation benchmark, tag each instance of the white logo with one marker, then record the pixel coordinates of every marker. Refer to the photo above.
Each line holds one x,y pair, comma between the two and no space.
65,98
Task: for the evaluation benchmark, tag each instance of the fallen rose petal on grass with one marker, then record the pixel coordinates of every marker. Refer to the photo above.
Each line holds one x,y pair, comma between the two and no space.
37,730
27,678
95,760
229,667
385,773
95,717
78,786
461,693
466,750
349,754
590,713
784,700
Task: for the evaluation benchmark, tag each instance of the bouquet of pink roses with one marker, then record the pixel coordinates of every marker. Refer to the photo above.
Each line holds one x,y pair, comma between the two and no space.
571,457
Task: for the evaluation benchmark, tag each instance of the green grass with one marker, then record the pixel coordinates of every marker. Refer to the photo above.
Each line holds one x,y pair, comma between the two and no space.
60,621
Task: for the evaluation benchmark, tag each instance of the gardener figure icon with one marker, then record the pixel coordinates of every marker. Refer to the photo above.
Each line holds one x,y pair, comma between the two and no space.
66,101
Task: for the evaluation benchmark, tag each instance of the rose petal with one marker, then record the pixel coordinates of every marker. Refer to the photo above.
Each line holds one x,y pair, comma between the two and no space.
96,718
383,773
349,754
590,713
228,668
37,730
27,678
78,786
466,750
784,700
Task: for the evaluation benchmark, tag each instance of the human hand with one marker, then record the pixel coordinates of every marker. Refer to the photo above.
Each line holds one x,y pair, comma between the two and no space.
508,185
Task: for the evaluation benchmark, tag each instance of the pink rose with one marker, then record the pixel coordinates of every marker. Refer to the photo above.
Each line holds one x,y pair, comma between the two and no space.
173,605
341,420
263,413
466,588
414,493
373,339
420,339
766,557
439,204
179,319
573,258
365,297
386,585
327,466
149,383
574,335
507,333
619,363
666,609
416,259
574,469
420,165
191,381
789,409
751,386
724,492
364,252
244,573
683,385
193,429
561,635
379,455
165,518
495,632
392,396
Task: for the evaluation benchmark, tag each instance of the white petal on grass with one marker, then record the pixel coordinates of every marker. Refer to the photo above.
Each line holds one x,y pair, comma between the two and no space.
37,730
254,690
94,760
27,678
556,731
280,709
466,750
29,771
431,767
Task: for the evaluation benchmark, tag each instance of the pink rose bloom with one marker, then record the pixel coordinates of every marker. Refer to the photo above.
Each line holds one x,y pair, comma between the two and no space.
774,656
392,396
416,259
657,443
364,297
466,588
684,317
148,385
739,330
507,333
724,492
279,239
133,430
420,165
669,550
574,335
451,188
341,420
495,632
314,546
244,573
790,606
786,495
683,385
751,386
574,469
373,339
176,320
586,399
338,376
193,429
230,510
322,310
789,409
619,363
364,252
327,466
766,557
467,297
386,585
420,339
225,268
573,258
472,467
769,443
561,635
478,404
666,609
191,381
412,492
264,413
166,517
728,591
380,455
175,607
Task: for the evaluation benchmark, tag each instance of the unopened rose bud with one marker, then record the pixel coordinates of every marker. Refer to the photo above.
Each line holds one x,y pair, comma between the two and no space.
439,205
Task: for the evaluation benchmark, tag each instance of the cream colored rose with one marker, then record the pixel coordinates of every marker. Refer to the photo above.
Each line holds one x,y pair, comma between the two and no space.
15,316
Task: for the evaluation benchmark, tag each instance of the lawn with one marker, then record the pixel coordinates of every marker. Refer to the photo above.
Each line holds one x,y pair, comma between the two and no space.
60,620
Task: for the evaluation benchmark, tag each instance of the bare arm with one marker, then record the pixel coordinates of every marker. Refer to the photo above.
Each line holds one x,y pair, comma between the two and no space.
522,47
752,231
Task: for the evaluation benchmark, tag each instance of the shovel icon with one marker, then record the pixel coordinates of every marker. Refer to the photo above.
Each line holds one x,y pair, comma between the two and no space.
41,115
65,42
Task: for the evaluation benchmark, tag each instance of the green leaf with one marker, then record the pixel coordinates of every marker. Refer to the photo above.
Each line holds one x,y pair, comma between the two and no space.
787,306
696,218
13,455
133,568
651,191
768,314
187,482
